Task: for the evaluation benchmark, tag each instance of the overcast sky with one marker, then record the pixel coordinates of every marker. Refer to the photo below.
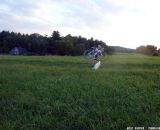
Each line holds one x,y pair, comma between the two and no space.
127,23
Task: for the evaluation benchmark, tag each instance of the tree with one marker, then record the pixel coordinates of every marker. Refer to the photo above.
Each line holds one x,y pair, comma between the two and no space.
55,36
141,49
78,50
65,45
159,51
149,50
53,43
36,44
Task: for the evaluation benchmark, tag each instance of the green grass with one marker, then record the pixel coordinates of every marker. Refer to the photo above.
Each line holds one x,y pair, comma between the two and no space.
64,93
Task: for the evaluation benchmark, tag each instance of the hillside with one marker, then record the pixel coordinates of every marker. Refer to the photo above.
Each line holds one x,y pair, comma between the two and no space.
122,49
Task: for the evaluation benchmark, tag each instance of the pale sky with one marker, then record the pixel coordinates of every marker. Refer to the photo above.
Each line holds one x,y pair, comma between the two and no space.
127,23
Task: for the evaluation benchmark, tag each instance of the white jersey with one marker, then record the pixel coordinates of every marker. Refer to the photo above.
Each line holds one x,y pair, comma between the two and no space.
97,53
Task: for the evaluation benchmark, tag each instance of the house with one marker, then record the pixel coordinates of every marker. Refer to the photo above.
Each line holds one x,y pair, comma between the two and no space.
18,51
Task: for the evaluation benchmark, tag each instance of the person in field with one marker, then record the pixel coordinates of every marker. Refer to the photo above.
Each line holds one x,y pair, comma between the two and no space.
97,53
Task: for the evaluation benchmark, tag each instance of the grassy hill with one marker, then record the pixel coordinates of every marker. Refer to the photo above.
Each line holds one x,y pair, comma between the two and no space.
122,49
52,92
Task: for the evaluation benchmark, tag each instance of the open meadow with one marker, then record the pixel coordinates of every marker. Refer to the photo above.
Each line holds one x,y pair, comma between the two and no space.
64,93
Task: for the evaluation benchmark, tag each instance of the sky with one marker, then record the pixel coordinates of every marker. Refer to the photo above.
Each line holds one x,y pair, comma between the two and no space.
127,23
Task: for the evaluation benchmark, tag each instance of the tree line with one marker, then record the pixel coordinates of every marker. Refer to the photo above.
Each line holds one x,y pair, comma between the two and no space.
37,44
148,50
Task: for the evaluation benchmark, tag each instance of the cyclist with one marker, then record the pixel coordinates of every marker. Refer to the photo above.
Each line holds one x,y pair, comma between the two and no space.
97,53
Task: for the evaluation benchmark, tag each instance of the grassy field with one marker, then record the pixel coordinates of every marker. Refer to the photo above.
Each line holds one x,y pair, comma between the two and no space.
64,93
